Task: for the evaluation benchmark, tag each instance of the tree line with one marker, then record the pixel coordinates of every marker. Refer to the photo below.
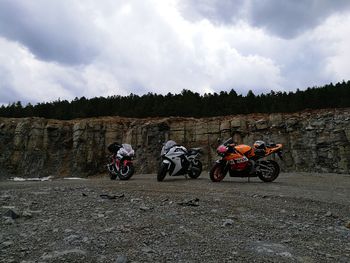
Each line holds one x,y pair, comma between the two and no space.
186,104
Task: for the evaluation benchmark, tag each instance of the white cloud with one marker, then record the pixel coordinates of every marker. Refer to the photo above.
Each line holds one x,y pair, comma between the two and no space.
334,39
149,46
30,79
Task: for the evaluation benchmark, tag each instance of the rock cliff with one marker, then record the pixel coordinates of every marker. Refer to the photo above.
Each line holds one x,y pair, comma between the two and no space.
317,141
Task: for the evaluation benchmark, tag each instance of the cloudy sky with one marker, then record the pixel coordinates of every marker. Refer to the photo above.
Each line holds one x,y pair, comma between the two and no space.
73,48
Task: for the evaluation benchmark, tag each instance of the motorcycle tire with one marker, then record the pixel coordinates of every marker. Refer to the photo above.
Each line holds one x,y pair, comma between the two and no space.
162,172
217,173
194,174
269,176
112,175
126,172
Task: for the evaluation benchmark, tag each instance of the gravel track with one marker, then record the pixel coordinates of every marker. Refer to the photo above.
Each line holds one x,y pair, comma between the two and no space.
298,218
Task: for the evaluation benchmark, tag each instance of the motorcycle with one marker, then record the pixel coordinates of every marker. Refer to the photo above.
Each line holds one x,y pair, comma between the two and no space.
120,162
246,161
177,160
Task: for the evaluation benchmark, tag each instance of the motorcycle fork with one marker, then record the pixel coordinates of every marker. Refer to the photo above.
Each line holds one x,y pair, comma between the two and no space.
117,163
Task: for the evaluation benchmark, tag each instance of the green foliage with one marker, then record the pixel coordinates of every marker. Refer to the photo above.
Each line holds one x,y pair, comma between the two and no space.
186,104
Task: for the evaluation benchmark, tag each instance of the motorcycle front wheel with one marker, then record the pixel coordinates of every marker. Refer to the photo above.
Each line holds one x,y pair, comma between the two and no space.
162,172
268,171
111,172
217,173
126,172
196,170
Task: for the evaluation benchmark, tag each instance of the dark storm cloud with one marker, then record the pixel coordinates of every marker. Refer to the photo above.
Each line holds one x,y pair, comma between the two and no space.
51,31
289,18
286,19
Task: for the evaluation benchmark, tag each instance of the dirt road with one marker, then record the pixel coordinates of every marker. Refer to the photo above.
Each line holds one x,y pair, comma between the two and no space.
297,218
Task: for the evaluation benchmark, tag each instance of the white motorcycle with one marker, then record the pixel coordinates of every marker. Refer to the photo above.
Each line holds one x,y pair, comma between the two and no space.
177,160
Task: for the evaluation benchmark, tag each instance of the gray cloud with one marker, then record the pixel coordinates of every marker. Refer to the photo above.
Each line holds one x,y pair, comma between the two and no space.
53,31
290,18
69,48
287,19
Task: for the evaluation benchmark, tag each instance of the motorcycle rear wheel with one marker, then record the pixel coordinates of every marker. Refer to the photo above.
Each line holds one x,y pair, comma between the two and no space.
194,174
270,173
217,173
126,172
162,172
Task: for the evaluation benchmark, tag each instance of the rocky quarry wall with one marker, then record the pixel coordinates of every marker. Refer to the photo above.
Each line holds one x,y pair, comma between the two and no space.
314,141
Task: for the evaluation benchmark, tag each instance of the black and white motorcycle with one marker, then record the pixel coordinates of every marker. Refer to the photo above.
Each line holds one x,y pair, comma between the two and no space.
177,160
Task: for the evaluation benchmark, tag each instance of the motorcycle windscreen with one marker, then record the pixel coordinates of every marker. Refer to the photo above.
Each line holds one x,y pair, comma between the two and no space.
128,149
167,146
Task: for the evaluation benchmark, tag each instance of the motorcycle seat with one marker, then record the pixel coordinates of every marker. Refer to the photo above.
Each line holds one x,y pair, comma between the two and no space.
194,150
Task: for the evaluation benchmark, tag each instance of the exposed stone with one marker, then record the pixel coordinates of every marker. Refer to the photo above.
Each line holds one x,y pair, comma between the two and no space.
261,124
314,141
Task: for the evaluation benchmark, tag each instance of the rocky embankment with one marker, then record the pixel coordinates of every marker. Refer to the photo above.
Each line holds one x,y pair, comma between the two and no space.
317,141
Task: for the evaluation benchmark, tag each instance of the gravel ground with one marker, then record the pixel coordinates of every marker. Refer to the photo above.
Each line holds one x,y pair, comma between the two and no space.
297,218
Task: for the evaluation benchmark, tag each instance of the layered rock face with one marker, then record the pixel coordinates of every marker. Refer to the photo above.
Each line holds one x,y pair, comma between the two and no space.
314,141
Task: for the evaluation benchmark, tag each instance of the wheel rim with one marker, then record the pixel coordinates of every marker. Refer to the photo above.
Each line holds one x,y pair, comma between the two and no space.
218,175
125,170
269,173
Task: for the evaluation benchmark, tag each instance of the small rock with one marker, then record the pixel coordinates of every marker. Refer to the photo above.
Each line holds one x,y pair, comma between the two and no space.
347,225
192,202
145,208
148,250
27,214
328,214
106,196
227,222
121,259
11,213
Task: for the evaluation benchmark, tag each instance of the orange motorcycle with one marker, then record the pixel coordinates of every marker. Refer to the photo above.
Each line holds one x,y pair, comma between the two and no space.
246,161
